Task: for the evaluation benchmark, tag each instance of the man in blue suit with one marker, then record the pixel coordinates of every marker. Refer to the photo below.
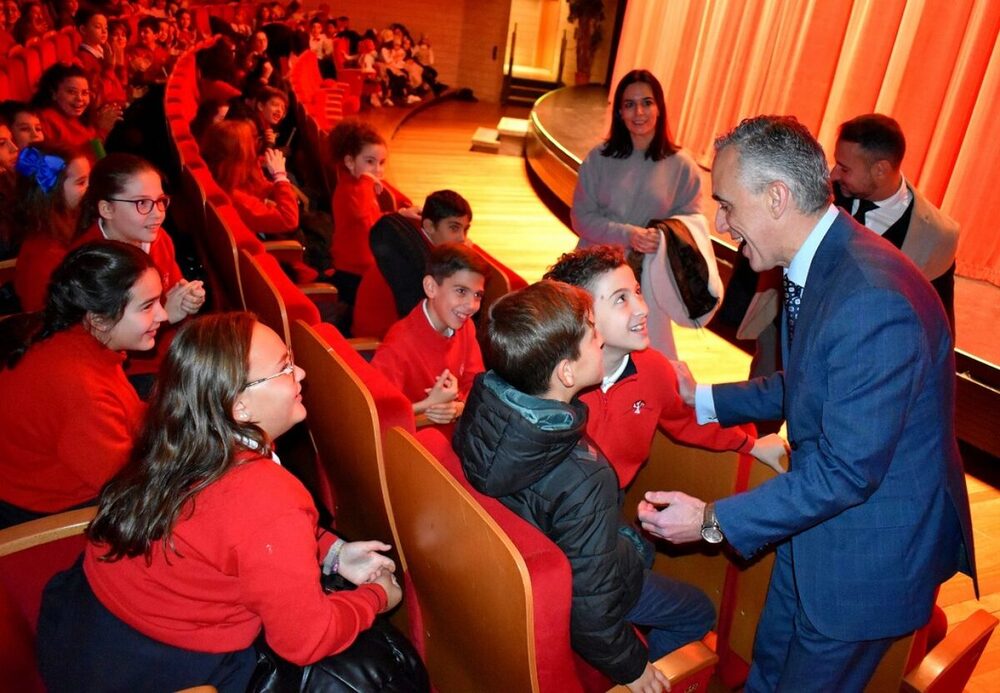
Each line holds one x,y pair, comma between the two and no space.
873,513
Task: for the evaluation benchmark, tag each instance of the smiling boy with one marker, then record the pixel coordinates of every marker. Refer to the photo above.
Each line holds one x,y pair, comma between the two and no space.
432,354
639,389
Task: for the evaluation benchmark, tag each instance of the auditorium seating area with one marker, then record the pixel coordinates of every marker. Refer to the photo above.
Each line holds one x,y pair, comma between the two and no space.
487,596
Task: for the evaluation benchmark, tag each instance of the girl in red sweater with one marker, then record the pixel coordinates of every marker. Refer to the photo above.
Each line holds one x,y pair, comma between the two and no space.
51,183
362,196
68,412
204,539
63,99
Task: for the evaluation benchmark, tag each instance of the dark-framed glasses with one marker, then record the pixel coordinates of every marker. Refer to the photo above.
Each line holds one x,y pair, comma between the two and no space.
144,205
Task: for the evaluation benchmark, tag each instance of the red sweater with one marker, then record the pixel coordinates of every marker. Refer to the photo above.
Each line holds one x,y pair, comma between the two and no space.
622,421
102,78
67,414
273,209
38,258
60,129
356,208
248,556
413,355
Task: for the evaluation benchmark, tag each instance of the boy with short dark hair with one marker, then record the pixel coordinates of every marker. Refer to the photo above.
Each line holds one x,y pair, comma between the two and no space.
432,354
638,390
401,250
522,441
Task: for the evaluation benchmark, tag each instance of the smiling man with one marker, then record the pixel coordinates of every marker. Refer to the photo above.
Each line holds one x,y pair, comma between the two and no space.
873,513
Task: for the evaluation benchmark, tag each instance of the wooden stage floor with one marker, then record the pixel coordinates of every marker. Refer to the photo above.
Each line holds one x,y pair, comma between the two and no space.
431,151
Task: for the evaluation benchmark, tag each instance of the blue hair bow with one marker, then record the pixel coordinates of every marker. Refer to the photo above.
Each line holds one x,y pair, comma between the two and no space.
44,168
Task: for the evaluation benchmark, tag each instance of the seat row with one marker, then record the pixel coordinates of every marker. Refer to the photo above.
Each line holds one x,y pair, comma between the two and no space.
22,67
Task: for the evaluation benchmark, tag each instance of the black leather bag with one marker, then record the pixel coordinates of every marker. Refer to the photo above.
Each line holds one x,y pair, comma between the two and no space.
380,659
688,266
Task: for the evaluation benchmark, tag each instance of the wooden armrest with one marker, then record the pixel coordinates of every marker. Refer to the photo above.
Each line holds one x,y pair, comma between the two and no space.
681,664
200,689
957,655
364,343
7,270
318,290
285,251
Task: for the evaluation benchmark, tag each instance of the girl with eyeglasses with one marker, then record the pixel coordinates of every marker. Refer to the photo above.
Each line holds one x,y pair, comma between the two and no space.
68,413
51,182
125,202
204,540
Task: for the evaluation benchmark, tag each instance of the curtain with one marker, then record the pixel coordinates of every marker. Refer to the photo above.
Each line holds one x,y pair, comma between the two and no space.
933,65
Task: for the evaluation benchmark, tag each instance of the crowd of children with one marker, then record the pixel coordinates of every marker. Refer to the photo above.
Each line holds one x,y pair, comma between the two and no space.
554,416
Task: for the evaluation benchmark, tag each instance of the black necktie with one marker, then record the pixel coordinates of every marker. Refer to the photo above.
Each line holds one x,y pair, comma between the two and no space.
793,301
864,206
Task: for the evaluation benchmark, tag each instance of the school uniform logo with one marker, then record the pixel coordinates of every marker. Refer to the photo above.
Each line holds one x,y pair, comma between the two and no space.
637,406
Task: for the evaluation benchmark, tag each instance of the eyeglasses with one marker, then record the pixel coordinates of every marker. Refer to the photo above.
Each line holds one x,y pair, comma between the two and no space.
287,370
144,205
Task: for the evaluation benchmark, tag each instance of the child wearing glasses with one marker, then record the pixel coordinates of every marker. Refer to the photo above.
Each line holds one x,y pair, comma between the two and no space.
125,202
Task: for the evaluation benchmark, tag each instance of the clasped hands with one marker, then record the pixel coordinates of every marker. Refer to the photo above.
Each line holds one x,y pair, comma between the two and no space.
361,563
183,299
441,406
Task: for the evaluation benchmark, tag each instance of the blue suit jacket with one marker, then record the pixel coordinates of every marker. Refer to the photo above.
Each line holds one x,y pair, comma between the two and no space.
874,503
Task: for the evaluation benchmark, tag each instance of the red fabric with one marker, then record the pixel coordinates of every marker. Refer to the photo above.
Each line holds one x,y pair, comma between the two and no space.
355,209
374,306
249,552
217,90
37,259
622,421
272,210
298,306
414,354
62,130
67,415
559,670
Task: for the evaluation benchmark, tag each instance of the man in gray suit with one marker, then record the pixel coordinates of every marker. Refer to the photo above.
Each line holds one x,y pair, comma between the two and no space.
868,184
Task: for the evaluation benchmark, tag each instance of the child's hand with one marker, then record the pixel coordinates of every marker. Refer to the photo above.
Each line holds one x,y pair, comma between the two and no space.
194,299
184,298
652,681
270,137
771,450
446,412
274,161
445,389
393,591
411,212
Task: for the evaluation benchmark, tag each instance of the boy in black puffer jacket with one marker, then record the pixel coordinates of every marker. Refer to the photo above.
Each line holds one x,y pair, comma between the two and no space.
521,440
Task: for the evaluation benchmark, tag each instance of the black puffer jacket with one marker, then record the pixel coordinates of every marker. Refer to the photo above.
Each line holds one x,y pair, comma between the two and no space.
530,454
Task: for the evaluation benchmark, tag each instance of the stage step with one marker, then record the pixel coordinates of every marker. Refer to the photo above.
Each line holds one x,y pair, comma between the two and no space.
527,91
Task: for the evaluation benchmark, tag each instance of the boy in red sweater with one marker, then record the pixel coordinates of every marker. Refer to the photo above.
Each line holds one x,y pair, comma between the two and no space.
432,354
639,390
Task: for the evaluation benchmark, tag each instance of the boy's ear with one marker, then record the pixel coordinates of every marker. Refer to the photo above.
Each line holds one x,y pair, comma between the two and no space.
427,225
430,286
564,374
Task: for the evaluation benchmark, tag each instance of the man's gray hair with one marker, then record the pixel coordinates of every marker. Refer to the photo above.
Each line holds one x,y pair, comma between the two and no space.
775,148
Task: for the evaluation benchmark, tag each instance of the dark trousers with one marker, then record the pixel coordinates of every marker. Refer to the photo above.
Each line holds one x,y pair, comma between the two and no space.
675,612
790,655
84,647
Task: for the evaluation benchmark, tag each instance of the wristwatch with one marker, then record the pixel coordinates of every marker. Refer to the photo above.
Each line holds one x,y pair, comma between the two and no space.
710,530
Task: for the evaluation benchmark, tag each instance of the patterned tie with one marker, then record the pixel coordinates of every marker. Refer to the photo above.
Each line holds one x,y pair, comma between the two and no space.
864,206
793,301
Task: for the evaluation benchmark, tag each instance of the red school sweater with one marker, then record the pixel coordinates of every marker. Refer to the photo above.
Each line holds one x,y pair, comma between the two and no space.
68,416
356,207
248,557
623,420
413,355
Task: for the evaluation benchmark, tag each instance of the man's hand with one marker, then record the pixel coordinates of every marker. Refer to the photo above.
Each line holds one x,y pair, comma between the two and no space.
644,240
679,520
771,450
686,383
652,681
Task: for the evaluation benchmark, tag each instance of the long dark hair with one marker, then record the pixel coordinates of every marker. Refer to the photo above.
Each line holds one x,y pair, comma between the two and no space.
619,142
50,81
93,280
108,179
41,212
188,439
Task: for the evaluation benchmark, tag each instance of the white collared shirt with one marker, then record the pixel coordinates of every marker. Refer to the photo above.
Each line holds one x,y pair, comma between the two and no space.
611,379
797,271
448,332
100,224
888,211
96,51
